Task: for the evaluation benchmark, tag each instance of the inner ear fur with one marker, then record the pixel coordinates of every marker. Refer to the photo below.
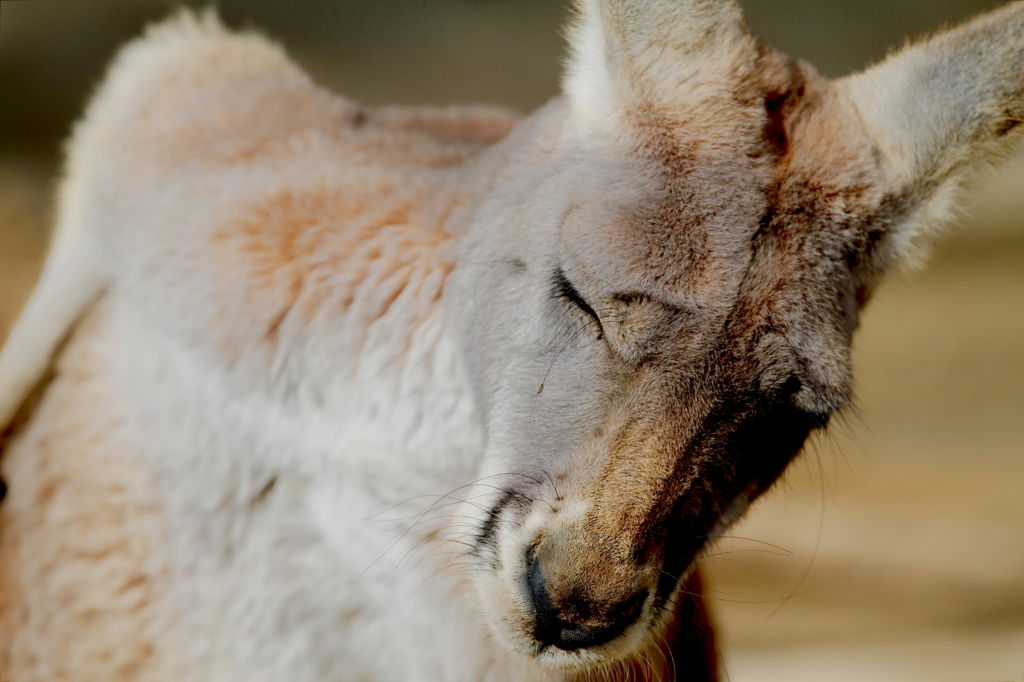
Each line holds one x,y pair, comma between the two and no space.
910,132
629,56
869,169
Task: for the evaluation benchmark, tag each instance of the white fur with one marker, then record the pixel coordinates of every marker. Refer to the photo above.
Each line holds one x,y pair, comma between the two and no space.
319,581
661,53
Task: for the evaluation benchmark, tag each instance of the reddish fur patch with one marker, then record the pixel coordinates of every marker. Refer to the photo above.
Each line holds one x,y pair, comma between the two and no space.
80,537
348,252
12,601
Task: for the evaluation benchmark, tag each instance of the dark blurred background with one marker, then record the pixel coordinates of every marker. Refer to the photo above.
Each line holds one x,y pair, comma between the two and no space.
897,542
52,52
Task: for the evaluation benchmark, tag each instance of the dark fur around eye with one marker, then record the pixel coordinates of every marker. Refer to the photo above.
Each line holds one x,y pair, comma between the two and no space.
563,288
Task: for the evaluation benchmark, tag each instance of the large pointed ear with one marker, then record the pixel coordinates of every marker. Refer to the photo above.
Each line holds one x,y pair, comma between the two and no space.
628,55
937,111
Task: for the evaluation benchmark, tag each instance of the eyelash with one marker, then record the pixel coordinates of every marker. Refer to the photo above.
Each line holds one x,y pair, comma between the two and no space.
564,289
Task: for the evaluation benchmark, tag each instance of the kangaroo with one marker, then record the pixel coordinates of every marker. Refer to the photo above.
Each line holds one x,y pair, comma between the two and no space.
315,391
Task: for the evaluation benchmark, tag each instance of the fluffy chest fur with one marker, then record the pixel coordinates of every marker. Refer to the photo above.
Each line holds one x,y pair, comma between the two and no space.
277,347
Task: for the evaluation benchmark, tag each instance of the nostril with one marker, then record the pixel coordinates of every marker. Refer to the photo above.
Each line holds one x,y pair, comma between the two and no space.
555,629
548,621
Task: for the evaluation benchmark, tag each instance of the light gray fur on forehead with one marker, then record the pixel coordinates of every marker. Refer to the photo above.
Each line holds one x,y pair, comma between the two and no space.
684,238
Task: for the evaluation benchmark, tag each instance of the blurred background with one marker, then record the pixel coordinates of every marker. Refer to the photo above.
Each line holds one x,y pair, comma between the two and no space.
894,548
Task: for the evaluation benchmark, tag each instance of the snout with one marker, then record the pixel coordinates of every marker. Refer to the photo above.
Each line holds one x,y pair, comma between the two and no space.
581,599
578,626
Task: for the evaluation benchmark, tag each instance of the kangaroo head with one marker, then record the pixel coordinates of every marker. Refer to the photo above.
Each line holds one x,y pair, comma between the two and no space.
656,302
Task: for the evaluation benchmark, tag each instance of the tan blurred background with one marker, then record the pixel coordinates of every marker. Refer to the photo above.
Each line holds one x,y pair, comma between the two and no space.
894,549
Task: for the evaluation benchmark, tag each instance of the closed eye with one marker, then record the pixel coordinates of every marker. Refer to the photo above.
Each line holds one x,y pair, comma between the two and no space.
563,288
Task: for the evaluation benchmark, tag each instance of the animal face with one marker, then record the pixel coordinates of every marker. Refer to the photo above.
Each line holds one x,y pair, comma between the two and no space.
657,305
659,356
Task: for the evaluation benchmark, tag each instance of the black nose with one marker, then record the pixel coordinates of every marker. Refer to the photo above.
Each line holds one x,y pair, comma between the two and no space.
556,628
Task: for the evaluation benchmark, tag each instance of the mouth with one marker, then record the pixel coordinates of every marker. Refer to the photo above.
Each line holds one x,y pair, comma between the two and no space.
572,595
574,625
644,633
572,600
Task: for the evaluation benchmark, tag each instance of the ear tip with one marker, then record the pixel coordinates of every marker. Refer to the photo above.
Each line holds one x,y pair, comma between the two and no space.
823,401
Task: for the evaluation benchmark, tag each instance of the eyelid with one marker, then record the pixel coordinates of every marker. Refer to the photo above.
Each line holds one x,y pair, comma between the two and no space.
564,289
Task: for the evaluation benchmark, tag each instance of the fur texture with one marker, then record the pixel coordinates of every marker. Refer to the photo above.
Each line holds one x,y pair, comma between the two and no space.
419,394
